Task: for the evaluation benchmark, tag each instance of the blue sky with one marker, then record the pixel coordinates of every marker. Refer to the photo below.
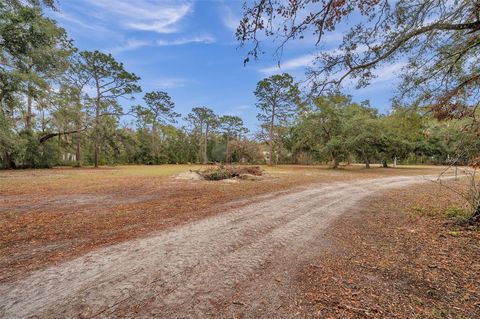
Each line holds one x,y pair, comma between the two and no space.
188,49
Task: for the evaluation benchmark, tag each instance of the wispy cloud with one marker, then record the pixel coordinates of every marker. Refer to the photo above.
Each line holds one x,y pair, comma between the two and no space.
386,76
291,64
229,19
206,39
131,44
238,110
171,83
69,18
388,72
331,37
144,15
303,61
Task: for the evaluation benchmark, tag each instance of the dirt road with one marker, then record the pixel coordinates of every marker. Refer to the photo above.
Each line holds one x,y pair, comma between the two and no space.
236,263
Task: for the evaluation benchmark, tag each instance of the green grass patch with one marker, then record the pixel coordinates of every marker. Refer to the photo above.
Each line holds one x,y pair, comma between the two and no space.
457,214
422,211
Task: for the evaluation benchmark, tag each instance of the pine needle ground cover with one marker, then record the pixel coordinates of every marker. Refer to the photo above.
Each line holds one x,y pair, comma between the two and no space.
53,215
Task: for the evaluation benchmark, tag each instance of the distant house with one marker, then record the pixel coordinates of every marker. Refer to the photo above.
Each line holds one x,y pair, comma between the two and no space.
69,157
265,151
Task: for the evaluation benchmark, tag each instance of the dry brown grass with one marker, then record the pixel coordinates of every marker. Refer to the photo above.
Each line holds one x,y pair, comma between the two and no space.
49,216
399,257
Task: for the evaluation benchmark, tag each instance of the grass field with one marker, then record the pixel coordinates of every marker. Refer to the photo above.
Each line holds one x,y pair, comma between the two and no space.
376,248
49,216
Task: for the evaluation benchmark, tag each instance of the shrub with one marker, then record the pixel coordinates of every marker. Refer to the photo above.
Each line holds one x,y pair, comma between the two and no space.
225,172
239,170
215,174
459,215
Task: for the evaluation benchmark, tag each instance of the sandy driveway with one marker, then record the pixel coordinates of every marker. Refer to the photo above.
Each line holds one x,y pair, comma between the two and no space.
230,264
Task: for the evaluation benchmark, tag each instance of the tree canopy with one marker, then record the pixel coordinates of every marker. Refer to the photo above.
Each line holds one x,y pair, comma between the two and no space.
278,98
63,106
439,39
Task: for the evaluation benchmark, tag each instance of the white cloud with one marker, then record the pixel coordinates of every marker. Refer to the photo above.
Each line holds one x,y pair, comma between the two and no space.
171,83
303,61
206,39
130,45
238,110
133,44
229,19
386,76
388,72
331,37
291,64
68,18
144,15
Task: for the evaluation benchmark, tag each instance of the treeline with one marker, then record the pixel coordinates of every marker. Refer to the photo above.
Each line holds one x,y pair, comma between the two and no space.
335,130
60,106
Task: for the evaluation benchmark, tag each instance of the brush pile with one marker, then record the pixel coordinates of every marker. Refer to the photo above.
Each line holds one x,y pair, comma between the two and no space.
221,172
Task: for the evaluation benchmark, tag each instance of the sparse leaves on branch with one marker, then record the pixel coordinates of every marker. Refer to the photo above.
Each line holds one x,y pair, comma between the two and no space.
439,39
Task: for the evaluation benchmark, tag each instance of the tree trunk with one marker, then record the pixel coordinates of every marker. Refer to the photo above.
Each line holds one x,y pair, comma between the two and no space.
199,137
394,161
226,152
28,117
8,162
95,155
205,158
77,154
48,136
154,143
384,163
44,124
272,123
367,162
476,215
334,161
97,121
1,103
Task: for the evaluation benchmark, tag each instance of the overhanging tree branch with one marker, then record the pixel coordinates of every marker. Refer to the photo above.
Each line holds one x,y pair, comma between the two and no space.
48,136
474,26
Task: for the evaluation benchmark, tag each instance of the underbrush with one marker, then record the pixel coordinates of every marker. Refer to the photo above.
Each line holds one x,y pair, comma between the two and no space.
214,174
457,214
230,171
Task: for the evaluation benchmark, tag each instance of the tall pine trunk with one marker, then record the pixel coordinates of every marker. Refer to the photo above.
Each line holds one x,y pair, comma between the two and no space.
154,143
8,162
28,117
272,123
97,122
226,151
78,152
205,158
